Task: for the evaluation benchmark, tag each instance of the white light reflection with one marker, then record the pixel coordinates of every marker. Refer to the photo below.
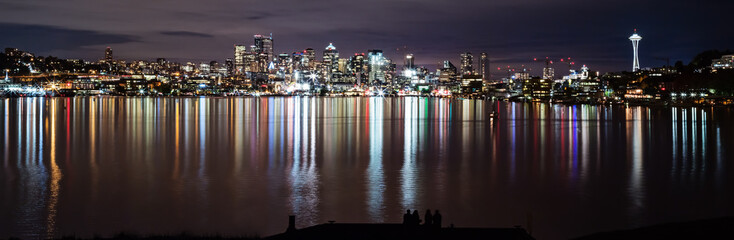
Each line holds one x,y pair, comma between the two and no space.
674,112
375,174
636,189
409,171
303,178
7,133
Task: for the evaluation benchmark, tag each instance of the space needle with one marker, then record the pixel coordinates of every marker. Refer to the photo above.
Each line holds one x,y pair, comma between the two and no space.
635,43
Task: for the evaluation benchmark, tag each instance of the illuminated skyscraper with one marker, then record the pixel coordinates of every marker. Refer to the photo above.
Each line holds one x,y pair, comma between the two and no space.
229,64
309,58
356,67
264,45
239,59
484,67
549,73
377,66
467,62
447,73
409,61
635,43
409,71
108,54
331,58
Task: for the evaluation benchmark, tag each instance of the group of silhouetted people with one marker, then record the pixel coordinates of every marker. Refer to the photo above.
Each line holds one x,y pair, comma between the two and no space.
431,220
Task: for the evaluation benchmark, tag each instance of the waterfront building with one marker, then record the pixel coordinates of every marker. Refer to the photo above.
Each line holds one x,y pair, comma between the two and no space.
537,87
471,83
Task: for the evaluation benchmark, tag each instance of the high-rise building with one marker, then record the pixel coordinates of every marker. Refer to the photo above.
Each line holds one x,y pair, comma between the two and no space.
484,67
108,54
229,64
409,61
342,65
447,73
409,71
377,66
264,46
467,62
253,62
239,59
309,58
548,73
356,68
331,58
635,43
204,68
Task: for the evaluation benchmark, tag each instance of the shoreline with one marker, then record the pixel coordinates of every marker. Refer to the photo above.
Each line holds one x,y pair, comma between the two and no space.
663,104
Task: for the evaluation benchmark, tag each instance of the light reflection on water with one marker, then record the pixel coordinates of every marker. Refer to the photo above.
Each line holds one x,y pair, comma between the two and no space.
240,165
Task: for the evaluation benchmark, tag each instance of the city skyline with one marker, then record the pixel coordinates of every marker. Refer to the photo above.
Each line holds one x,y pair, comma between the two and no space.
198,32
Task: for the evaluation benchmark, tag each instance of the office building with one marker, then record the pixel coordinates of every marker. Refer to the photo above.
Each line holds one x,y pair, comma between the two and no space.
467,62
331,59
239,59
108,54
377,66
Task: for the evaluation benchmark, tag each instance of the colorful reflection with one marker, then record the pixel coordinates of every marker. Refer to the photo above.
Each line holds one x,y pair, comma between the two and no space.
240,166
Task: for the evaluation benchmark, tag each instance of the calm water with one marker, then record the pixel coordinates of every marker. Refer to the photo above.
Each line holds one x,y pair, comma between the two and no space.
240,166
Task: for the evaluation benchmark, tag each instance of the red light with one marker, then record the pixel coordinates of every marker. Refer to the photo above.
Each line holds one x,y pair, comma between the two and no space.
561,59
535,59
662,89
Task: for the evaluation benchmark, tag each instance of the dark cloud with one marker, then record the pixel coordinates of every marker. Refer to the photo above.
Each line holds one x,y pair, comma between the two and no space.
43,39
186,34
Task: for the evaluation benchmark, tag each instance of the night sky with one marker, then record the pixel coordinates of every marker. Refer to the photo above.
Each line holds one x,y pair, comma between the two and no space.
513,32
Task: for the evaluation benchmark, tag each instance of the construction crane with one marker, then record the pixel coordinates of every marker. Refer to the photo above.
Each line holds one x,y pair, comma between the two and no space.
667,66
568,61
547,70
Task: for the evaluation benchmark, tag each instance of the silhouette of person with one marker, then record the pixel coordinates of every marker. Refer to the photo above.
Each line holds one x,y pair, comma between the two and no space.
428,217
407,218
437,219
416,218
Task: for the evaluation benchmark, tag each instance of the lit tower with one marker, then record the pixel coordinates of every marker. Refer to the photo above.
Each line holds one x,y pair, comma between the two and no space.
635,43
467,62
108,54
484,66
331,58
